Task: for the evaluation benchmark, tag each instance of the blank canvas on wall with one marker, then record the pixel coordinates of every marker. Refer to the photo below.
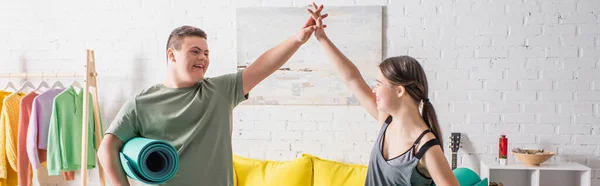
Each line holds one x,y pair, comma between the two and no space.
308,78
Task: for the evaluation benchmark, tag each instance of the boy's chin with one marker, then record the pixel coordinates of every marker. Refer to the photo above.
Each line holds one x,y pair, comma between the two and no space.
197,78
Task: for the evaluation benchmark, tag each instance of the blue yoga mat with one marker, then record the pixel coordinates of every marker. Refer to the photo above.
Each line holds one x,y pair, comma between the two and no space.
468,177
149,161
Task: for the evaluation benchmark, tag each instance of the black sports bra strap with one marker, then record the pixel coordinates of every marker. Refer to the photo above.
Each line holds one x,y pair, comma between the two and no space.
388,120
414,148
425,147
421,136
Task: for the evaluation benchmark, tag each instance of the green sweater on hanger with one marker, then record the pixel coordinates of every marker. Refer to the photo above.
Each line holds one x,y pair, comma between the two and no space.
64,133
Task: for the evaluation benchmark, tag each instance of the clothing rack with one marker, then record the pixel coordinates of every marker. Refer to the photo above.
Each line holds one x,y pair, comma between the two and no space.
89,78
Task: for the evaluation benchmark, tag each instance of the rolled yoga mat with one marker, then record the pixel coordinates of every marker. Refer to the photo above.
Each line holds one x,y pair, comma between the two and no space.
149,161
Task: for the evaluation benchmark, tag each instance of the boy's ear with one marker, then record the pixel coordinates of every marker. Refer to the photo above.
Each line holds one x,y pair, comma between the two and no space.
171,55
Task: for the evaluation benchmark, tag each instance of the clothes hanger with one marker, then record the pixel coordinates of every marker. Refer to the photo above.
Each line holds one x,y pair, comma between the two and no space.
57,83
42,84
76,84
78,88
10,84
25,85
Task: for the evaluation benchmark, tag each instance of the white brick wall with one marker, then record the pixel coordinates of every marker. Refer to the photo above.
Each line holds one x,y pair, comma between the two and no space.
528,69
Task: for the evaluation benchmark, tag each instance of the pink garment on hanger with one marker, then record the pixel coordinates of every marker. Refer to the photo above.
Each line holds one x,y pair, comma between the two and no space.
24,174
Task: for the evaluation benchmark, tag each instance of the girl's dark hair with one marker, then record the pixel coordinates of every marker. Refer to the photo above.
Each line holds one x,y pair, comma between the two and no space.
407,72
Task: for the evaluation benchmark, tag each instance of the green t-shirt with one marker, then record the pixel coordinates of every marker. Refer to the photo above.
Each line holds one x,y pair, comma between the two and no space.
196,120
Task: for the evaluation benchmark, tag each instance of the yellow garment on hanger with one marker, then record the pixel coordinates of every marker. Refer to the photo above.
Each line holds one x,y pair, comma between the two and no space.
8,176
10,112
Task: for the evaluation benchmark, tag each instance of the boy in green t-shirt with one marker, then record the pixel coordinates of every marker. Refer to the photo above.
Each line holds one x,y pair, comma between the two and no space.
192,112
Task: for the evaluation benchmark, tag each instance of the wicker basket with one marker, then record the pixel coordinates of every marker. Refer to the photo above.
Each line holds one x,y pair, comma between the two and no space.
533,159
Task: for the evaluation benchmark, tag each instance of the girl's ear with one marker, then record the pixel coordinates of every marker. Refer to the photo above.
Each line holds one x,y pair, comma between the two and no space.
400,90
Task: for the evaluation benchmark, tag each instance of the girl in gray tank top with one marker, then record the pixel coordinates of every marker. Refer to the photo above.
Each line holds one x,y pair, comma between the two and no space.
400,170
401,92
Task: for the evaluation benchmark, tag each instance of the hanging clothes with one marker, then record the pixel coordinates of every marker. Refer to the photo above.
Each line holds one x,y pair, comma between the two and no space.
8,176
64,133
37,132
12,107
23,165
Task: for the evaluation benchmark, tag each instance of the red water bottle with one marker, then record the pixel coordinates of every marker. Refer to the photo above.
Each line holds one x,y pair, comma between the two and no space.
503,146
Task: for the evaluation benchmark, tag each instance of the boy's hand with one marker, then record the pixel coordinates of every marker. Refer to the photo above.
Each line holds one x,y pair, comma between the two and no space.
317,11
310,26
304,34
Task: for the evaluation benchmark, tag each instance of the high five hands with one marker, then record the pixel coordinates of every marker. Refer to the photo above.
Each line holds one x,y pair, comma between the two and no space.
314,24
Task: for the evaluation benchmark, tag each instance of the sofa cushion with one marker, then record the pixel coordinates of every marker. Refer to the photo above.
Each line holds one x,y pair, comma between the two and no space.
234,177
328,172
252,172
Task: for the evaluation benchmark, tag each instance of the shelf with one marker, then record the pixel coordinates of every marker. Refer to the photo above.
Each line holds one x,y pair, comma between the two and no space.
545,174
543,166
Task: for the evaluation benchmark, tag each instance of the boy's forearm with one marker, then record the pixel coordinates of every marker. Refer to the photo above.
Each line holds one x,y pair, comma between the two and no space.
111,163
274,58
112,167
269,62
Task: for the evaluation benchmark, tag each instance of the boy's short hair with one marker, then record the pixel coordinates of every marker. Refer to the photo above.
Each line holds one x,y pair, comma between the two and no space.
176,37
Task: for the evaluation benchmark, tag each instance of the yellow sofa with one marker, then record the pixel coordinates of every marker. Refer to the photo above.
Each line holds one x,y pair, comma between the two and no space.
308,170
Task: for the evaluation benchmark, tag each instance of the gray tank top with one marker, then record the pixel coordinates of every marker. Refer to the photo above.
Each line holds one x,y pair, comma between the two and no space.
400,170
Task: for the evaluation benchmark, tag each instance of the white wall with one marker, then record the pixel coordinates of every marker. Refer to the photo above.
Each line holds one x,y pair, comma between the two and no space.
526,68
